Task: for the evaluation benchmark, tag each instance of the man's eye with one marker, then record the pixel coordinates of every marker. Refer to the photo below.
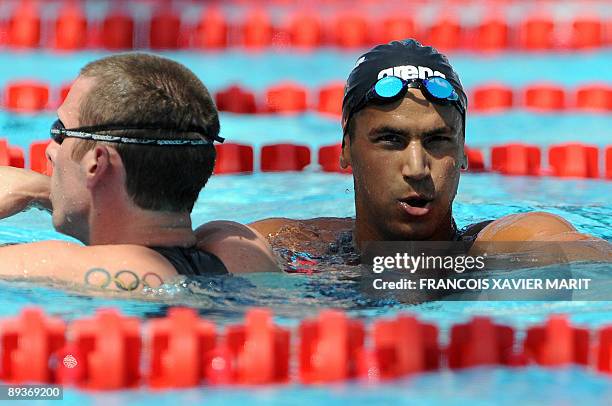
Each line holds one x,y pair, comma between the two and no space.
439,139
391,138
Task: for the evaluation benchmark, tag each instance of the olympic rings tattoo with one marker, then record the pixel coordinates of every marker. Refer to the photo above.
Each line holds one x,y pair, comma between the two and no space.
148,274
97,270
120,284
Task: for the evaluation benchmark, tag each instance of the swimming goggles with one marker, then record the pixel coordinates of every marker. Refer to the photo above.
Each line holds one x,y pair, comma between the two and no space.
391,88
59,133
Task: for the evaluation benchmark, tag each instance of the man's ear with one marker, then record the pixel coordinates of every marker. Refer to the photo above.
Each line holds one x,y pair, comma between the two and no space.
345,156
96,163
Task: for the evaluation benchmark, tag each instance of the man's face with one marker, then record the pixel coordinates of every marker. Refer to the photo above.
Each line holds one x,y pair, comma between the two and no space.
406,157
69,195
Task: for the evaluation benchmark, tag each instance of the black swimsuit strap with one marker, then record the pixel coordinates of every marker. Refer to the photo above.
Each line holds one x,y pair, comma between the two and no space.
191,261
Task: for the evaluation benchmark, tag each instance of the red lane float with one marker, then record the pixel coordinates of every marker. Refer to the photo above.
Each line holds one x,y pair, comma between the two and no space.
63,93
557,343
184,350
445,34
24,27
574,160
27,96
28,341
603,350
179,344
305,31
10,156
257,30
258,350
492,97
402,346
480,342
70,29
117,31
211,31
286,97
394,28
609,162
165,30
597,97
235,99
284,157
587,33
233,158
329,347
38,157
109,346
537,33
544,96
350,31
330,99
475,159
491,35
516,159
329,159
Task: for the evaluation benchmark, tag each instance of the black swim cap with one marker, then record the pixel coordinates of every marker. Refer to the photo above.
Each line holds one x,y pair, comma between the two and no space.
407,59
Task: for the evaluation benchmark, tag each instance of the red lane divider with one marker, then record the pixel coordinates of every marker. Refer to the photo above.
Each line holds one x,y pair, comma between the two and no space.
290,97
117,31
26,96
24,27
516,159
211,30
329,159
38,157
11,156
234,158
70,28
182,350
284,157
178,344
557,343
165,30
286,97
263,26
574,160
544,97
28,341
329,347
110,346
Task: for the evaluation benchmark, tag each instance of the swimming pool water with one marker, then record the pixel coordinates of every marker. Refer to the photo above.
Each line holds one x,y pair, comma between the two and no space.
586,203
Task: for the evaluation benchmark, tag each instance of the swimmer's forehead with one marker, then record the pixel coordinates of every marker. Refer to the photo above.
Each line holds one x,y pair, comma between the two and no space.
70,109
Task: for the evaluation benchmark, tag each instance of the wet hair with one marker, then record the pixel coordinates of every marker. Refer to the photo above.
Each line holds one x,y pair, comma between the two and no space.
137,89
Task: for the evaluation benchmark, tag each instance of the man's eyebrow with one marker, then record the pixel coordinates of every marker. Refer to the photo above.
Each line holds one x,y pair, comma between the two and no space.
386,129
443,130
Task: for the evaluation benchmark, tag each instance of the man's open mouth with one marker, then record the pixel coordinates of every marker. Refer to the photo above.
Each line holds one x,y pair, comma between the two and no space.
416,205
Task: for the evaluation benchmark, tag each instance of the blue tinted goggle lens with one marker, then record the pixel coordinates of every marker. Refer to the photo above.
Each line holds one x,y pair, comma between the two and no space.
389,86
440,88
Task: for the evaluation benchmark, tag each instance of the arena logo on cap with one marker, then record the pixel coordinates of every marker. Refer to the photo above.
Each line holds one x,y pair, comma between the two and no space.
408,72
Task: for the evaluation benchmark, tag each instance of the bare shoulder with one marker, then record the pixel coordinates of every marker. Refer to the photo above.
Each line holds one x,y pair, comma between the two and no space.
529,227
114,267
241,248
275,225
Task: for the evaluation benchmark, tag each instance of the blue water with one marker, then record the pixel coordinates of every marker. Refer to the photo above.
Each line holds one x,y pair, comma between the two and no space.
586,203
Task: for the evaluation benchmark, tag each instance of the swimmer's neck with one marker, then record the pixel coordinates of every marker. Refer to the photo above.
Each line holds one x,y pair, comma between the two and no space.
142,227
363,232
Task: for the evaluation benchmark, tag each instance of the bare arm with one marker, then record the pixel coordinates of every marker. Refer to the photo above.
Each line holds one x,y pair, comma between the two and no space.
22,188
240,248
116,268
536,229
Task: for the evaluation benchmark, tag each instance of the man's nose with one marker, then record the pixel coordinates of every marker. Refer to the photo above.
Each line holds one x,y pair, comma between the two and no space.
51,151
416,162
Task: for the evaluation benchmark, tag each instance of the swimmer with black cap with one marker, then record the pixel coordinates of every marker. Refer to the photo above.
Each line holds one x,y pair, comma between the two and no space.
403,120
